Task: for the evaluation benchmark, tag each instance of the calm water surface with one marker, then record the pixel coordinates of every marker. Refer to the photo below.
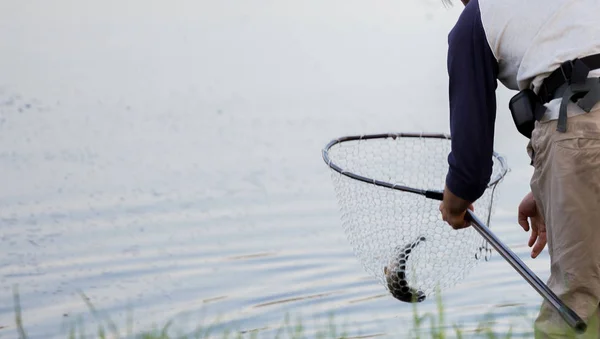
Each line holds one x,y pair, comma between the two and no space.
165,157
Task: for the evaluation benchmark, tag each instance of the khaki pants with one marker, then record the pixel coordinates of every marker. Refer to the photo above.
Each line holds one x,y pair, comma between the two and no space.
566,187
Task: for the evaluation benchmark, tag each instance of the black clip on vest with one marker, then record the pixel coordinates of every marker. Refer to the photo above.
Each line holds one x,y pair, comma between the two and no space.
569,82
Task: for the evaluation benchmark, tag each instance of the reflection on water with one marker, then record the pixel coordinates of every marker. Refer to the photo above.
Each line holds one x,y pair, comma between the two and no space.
166,159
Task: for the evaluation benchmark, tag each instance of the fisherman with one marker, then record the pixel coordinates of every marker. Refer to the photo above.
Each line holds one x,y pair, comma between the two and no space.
548,52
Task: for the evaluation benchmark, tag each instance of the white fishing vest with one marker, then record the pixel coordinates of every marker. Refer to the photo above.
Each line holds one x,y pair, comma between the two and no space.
531,38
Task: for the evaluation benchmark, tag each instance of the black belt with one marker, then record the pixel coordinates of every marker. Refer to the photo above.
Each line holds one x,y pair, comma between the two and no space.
571,83
564,74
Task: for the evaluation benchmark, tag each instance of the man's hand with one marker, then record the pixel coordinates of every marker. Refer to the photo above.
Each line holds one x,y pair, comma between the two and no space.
528,209
454,209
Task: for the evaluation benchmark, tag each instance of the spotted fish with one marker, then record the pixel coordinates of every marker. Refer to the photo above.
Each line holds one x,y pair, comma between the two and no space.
395,275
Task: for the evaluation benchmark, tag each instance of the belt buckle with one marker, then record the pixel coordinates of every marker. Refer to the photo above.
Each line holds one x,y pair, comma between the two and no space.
567,72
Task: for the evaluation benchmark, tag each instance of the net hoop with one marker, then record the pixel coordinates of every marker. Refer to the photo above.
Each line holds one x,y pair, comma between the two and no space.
389,216
376,182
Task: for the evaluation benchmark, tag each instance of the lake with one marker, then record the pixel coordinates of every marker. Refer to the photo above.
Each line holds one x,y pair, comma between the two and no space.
165,157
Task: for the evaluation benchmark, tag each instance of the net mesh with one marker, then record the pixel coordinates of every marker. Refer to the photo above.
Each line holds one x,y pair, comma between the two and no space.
399,237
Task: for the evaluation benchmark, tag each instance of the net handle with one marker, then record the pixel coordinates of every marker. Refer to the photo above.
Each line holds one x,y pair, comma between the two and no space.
570,317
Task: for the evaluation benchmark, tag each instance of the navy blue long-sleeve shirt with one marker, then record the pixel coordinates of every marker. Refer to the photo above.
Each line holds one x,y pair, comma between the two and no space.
472,71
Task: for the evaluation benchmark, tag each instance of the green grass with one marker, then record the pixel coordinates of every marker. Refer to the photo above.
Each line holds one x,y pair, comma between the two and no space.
426,325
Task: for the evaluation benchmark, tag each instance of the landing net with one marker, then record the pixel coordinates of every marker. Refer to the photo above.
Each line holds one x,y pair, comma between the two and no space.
399,236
